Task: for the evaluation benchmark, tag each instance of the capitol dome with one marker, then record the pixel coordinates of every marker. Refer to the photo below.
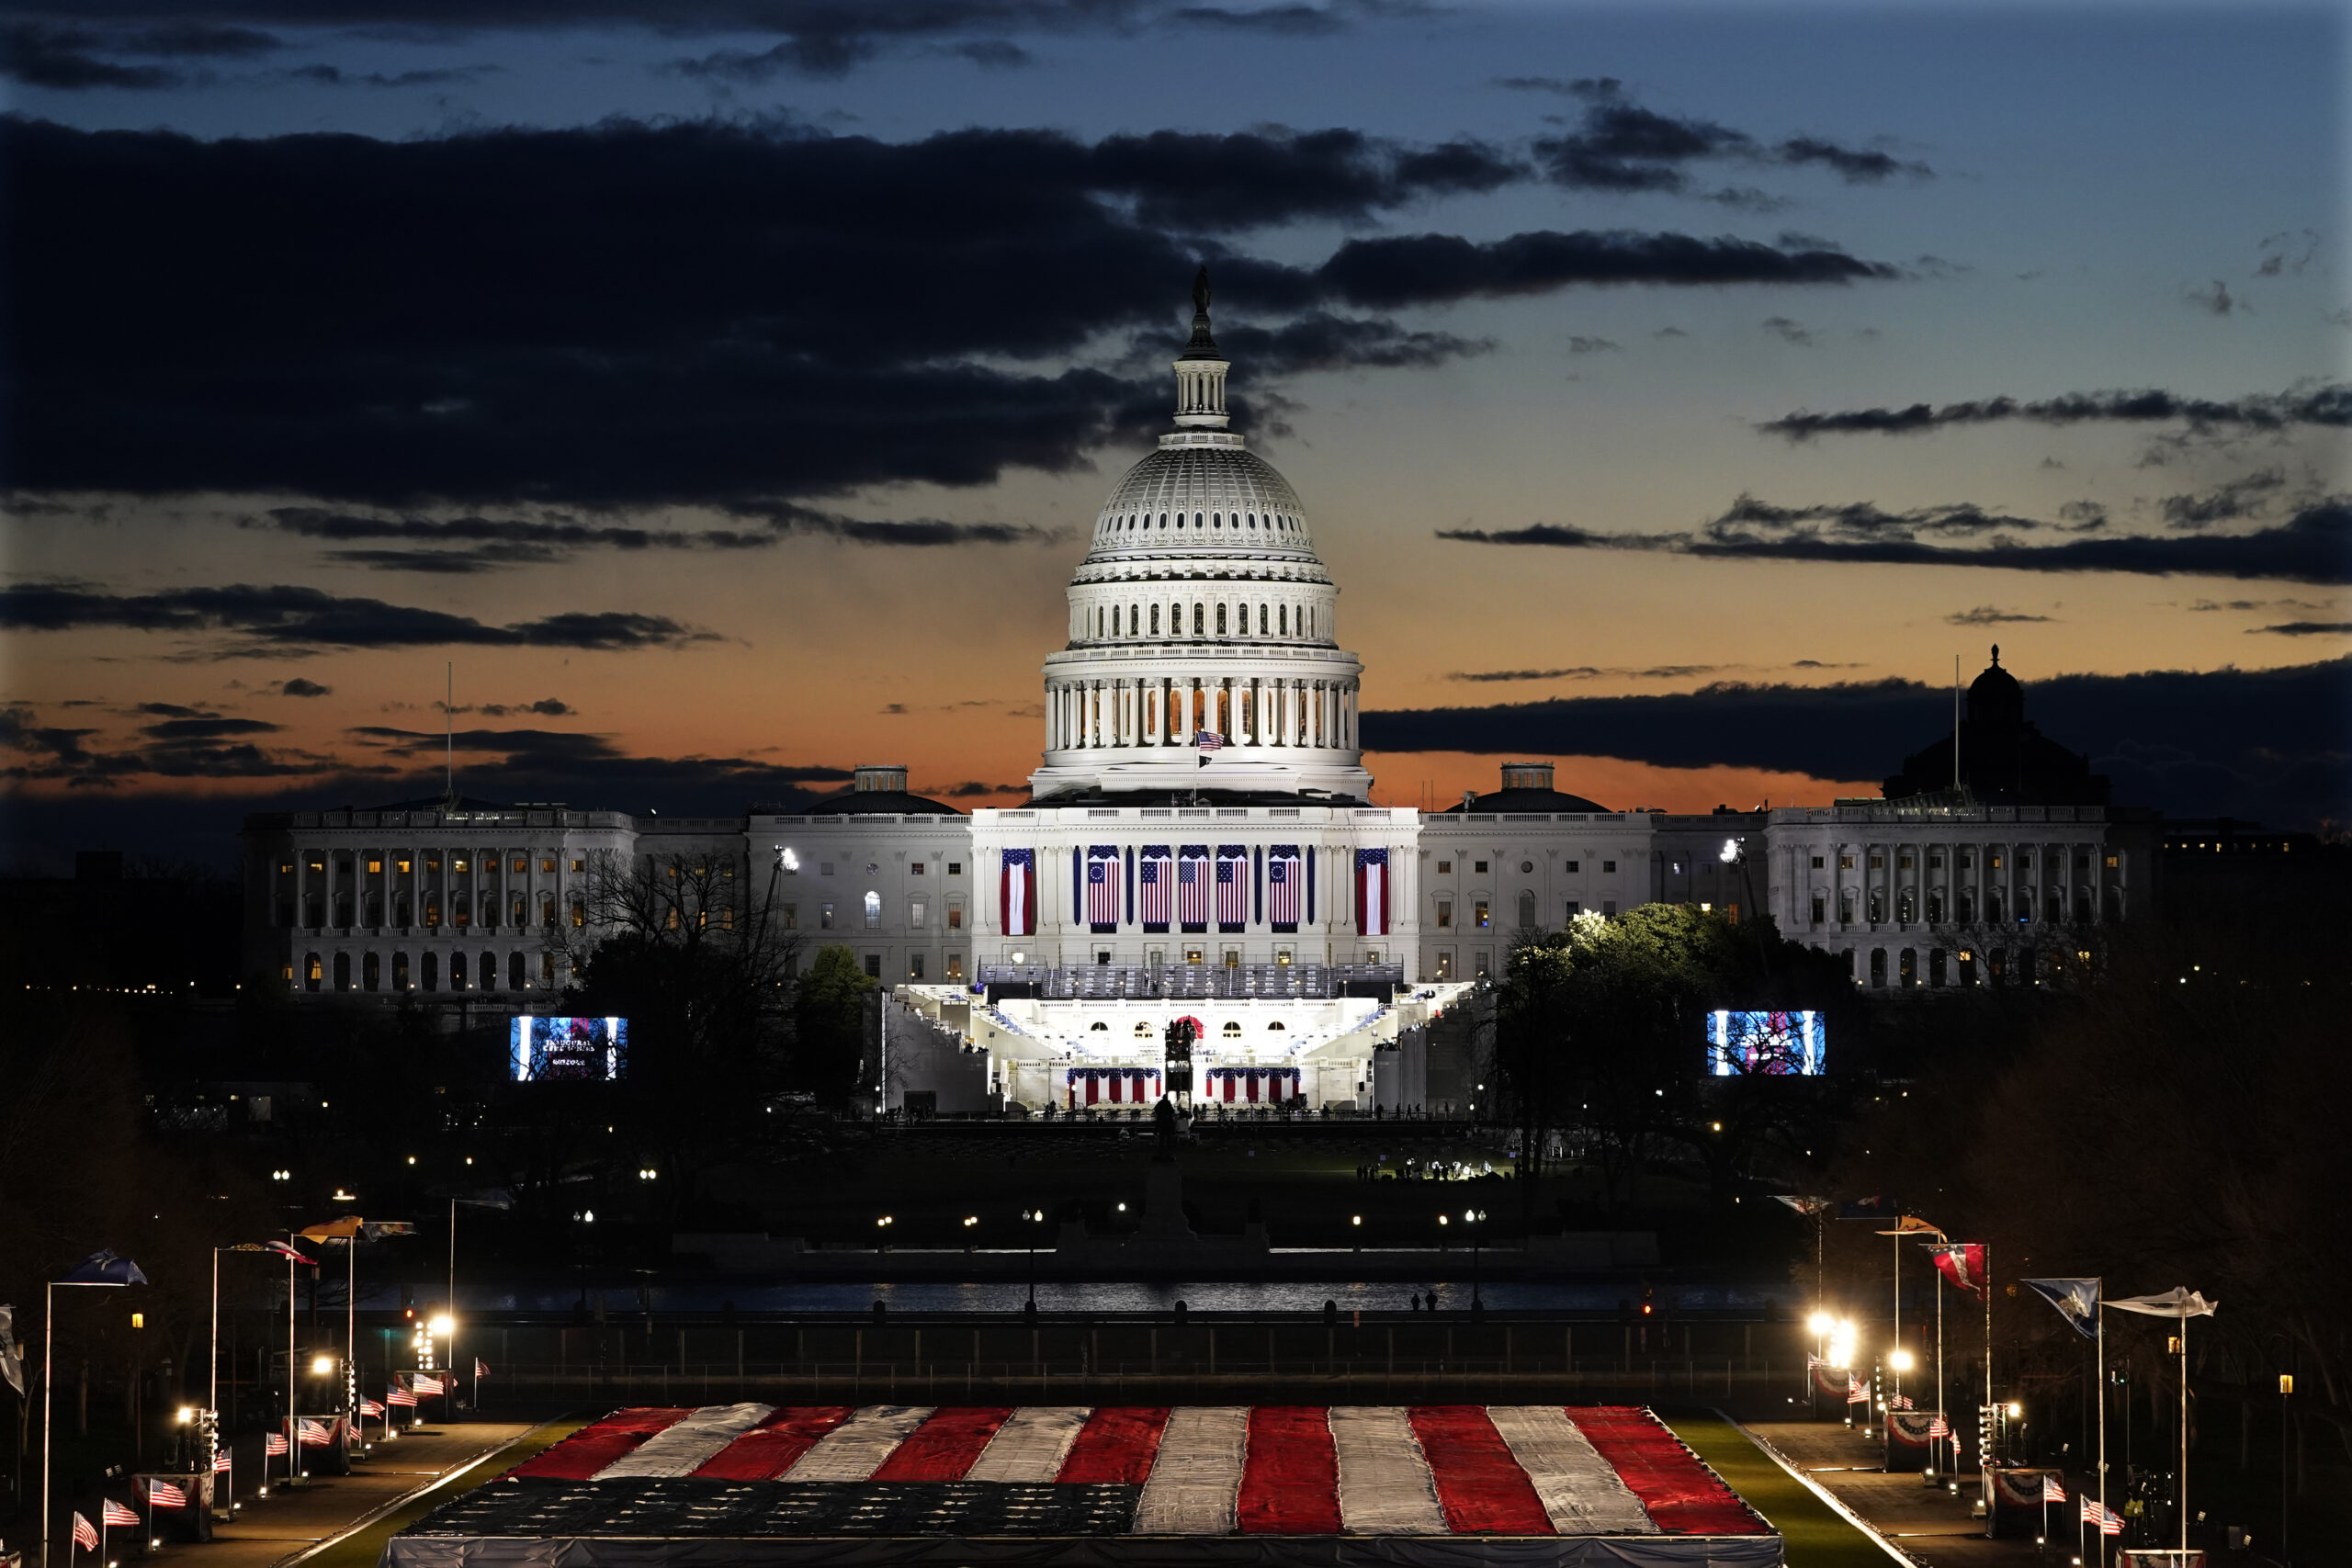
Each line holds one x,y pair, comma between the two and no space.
1203,651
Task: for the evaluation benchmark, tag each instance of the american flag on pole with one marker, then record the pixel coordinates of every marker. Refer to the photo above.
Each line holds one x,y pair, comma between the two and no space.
163,1494
425,1384
1899,1402
1208,739
313,1434
85,1534
482,1368
116,1513
1156,879
1283,879
395,1394
2051,1491
1129,1480
1857,1390
1102,887
1939,1426
1371,892
369,1407
220,1461
1192,887
274,1444
2108,1521
1017,893
1232,887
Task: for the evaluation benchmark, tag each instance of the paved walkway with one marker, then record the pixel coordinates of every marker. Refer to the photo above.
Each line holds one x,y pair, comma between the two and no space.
269,1530
1934,1527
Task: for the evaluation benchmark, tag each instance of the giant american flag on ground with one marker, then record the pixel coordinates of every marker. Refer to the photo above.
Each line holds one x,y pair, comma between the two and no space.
1427,1471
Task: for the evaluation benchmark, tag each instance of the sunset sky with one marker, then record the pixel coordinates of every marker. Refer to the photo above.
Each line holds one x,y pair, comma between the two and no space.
726,387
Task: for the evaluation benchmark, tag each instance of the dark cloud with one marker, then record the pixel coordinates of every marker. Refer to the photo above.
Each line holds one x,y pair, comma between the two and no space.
300,687
994,53
2309,628
2325,405
2289,251
1787,331
285,616
1589,672
1291,21
1590,89
336,76
2225,503
2270,745
2081,516
1989,616
546,707
973,788
69,56
1620,146
691,312
2315,546
1593,345
2217,300
1318,341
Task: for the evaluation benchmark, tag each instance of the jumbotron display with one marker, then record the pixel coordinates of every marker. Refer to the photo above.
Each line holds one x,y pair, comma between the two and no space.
572,1050
1765,1045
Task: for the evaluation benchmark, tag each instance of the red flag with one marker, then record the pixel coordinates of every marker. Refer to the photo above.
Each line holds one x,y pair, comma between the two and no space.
85,1534
1962,1262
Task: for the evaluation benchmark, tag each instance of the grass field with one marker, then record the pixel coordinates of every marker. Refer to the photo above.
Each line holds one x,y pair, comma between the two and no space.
1815,1535
361,1549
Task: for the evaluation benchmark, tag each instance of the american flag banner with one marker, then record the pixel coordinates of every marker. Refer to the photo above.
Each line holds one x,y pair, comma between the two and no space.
1017,893
1899,1402
369,1407
1102,887
1114,1086
116,1513
395,1394
1940,1427
1857,1392
424,1384
2051,1491
1208,739
1252,1085
1155,881
482,1368
221,1462
85,1534
163,1494
1371,892
1232,887
1283,879
274,1444
1192,887
1419,1486
313,1434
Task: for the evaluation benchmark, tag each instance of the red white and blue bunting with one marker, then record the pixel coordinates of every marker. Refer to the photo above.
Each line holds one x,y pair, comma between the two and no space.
1017,893
1252,1086
1112,1085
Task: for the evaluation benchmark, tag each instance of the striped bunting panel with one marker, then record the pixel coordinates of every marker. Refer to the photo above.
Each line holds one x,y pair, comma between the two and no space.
1373,1470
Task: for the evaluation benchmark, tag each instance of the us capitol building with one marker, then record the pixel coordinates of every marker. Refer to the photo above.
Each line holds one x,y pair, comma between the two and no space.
1200,843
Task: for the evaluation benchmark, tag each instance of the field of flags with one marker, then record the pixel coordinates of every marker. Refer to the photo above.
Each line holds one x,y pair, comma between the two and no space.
1442,1485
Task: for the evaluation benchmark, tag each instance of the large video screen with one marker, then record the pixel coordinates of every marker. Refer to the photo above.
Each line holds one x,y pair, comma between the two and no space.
1765,1045
570,1049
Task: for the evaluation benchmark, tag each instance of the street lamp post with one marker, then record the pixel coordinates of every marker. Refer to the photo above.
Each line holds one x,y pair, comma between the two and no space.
1474,1218
1033,1218
103,1268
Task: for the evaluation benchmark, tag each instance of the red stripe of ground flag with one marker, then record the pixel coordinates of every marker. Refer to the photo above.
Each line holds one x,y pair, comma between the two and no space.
945,1446
599,1443
1117,1444
1479,1484
1289,1481
1682,1496
768,1450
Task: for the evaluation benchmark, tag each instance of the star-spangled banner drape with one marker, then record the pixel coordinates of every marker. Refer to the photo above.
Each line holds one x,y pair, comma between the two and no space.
1193,875
1017,893
1156,883
1283,879
1102,887
1232,887
1371,892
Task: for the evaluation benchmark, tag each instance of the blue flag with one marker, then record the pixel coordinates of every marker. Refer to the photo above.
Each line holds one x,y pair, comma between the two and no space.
103,1267
2077,1300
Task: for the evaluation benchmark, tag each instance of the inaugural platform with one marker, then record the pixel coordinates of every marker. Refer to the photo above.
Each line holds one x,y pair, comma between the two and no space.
1443,1486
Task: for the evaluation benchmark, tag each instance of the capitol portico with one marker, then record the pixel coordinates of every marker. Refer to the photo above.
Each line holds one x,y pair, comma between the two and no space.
1201,842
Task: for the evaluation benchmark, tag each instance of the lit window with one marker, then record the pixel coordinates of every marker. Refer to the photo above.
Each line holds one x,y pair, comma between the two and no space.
1480,916
873,909
792,917
1444,913
824,917
955,917
374,866
1845,863
918,909
1445,868
547,865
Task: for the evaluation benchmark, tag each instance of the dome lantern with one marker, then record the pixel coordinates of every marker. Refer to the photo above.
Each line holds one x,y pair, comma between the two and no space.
1200,369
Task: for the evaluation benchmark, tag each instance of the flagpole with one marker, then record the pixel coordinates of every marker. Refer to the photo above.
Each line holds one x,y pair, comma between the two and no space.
2098,1351
351,1340
2184,1429
48,1341
1940,1400
290,1433
1898,1306
1984,1460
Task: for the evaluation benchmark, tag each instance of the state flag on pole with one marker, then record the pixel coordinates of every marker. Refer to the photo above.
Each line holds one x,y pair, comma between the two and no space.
425,1384
2180,1302
1962,1262
2077,1300
221,1462
287,1252
116,1513
482,1368
273,1445
85,1534
313,1434
163,1494
2051,1491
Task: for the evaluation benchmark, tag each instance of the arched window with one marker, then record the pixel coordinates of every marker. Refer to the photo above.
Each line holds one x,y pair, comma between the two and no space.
342,971
1220,620
1908,967
371,971
1877,967
1935,967
1155,620
515,971
1262,620
1217,519
1135,620
312,971
1526,910
872,908
457,971
487,970
399,971
1197,613
1282,620
432,971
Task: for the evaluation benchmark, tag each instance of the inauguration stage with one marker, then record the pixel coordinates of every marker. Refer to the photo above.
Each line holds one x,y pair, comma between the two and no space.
1194,1486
